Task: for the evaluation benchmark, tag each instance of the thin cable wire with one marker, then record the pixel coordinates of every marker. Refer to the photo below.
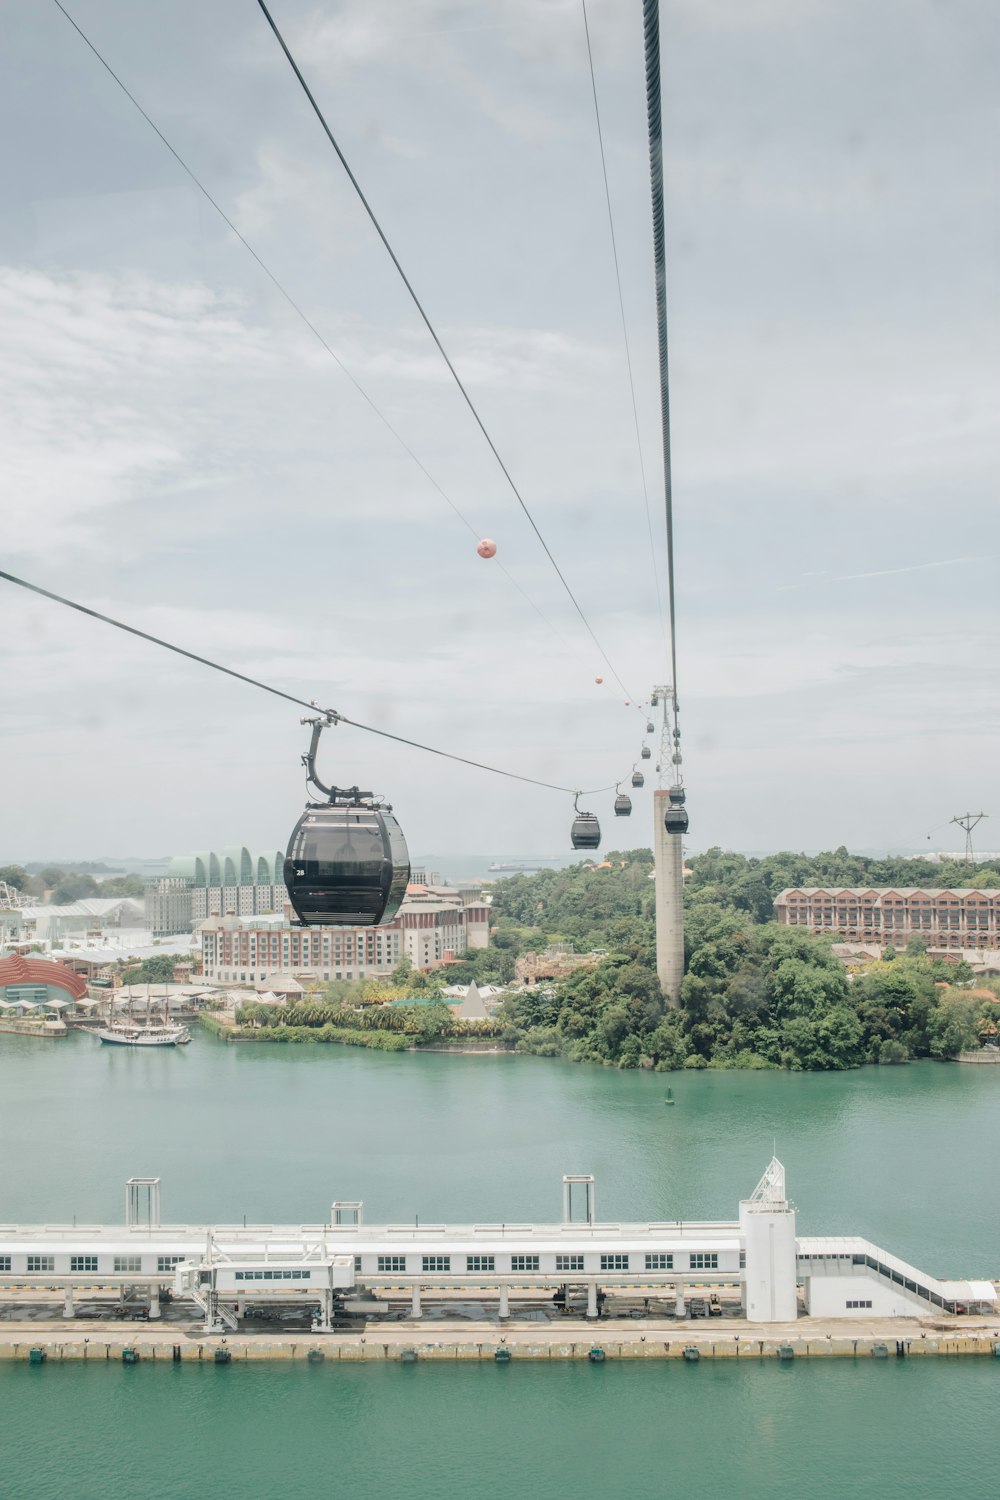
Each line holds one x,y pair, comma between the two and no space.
304,317
628,351
440,347
651,29
266,687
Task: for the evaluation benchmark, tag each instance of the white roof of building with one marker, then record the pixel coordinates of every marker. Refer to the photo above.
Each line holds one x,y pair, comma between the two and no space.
431,904
285,984
487,991
155,991
90,906
839,1245
176,947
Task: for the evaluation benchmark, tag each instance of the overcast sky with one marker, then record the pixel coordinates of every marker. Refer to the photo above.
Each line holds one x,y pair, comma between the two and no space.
178,449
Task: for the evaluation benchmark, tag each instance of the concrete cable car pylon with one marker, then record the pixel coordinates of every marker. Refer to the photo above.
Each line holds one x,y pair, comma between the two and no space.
670,819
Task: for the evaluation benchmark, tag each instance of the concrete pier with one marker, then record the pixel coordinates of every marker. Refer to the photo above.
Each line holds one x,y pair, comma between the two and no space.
806,1338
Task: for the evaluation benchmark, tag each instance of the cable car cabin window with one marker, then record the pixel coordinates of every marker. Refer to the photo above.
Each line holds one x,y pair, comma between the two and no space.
356,850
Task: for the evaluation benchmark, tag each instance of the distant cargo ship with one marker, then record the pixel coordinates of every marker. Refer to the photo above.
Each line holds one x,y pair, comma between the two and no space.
514,869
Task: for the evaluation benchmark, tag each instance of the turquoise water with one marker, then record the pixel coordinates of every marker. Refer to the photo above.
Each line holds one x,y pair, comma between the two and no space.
906,1156
808,1431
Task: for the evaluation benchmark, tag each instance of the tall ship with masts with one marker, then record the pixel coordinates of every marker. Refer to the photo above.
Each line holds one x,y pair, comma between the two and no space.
148,1030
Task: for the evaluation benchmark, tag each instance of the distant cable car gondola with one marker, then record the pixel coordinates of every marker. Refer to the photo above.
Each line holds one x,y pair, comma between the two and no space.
650,727
347,863
646,753
623,804
638,779
586,831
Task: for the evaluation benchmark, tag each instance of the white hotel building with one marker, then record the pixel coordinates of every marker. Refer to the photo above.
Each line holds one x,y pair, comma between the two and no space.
430,928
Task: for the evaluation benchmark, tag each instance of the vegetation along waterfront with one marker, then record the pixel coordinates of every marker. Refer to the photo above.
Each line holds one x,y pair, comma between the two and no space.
756,994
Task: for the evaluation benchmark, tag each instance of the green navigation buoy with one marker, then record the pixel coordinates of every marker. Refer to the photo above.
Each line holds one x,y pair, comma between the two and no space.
669,1097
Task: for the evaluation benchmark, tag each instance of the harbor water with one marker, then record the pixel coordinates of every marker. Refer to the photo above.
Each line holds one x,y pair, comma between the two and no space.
905,1156
570,1432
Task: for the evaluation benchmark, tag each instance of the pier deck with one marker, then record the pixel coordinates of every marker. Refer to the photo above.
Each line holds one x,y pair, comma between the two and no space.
619,1338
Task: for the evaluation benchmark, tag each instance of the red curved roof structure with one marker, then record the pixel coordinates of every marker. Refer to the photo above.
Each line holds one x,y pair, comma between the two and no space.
16,969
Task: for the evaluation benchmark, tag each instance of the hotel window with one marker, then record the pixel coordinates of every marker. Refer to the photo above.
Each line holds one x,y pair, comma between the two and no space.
614,1262
83,1262
659,1262
128,1263
524,1262
167,1262
481,1263
436,1263
704,1260
392,1263
41,1262
4,1262
569,1262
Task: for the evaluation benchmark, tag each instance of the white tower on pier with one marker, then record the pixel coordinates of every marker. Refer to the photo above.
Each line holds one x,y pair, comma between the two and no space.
767,1223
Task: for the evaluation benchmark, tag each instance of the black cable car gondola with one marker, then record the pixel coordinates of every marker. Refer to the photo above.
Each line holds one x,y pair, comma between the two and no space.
638,779
646,753
650,727
586,831
623,804
675,819
347,863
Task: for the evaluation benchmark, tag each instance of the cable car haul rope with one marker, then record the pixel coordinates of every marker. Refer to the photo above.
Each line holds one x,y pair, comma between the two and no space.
331,715
347,862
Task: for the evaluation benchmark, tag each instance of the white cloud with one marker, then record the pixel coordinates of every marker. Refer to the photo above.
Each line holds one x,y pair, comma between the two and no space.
84,364
178,449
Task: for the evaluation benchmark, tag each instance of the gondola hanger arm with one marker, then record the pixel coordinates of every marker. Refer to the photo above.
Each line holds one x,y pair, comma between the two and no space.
324,721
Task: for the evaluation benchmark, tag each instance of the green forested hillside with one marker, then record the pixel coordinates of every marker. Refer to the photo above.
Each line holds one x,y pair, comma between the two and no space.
755,994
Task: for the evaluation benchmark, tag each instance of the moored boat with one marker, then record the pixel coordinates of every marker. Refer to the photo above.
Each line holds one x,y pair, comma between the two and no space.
143,1034
48,1025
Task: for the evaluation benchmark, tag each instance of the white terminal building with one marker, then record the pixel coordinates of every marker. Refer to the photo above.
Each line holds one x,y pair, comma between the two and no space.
758,1258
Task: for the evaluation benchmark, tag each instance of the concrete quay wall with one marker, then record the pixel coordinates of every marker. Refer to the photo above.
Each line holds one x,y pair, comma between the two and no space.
447,1343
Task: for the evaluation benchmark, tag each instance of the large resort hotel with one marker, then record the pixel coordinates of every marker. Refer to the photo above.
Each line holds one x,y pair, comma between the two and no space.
962,918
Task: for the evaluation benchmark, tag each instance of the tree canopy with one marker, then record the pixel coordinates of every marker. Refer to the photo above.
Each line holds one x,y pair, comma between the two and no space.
755,994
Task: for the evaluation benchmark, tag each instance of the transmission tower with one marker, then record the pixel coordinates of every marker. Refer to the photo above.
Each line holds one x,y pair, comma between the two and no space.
968,821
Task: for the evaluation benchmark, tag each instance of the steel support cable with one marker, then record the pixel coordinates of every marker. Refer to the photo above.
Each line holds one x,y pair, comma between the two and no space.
266,687
307,321
628,350
438,344
651,30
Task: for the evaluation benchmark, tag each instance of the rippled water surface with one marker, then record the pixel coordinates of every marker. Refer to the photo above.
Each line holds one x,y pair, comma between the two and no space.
907,1156
760,1432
